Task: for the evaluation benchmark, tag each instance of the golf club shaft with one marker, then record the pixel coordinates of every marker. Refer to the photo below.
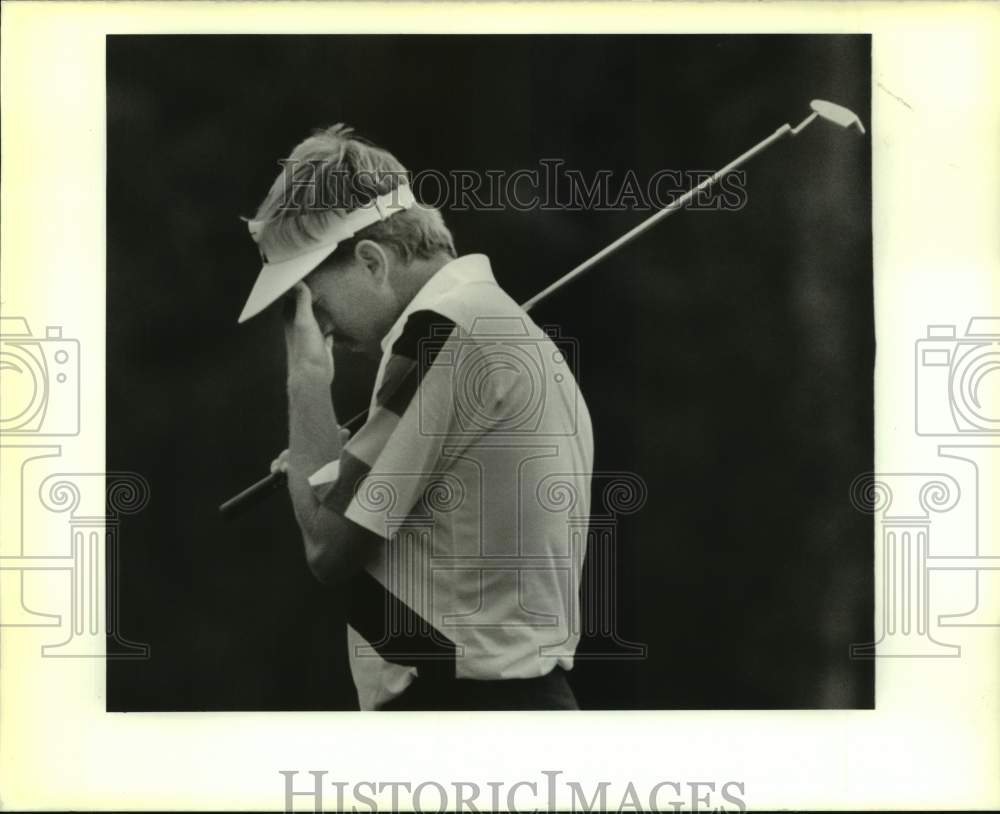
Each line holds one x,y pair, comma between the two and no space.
262,488
652,220
253,495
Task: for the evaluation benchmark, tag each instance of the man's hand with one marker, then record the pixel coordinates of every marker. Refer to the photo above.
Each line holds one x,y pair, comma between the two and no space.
280,464
310,354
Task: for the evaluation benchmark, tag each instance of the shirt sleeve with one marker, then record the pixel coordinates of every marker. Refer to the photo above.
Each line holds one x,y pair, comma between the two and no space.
384,470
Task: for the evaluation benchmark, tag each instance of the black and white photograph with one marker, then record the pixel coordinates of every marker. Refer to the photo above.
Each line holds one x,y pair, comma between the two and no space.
552,356
488,406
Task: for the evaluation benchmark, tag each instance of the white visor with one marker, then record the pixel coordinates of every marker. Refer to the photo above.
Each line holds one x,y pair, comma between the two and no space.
285,266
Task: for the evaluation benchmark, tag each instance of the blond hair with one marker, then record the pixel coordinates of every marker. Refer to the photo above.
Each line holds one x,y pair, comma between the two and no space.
333,172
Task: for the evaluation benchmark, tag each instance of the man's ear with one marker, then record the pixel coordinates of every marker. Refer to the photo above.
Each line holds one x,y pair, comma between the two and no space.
374,258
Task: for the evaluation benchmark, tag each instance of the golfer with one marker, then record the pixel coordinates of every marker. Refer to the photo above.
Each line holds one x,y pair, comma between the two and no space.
455,519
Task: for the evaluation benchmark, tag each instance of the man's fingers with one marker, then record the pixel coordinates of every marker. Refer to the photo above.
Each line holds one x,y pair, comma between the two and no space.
305,344
280,464
297,306
345,435
303,304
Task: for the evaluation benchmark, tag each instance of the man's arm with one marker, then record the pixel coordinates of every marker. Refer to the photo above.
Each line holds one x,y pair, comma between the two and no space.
397,450
334,548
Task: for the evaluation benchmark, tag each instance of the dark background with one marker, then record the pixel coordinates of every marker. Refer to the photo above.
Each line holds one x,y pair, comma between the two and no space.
726,357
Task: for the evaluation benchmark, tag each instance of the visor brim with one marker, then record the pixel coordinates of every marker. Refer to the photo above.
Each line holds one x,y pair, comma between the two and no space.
277,279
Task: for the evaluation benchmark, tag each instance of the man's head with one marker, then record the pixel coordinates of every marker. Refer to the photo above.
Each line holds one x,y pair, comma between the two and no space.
361,286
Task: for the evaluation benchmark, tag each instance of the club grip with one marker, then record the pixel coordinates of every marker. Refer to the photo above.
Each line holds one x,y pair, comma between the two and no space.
256,493
252,495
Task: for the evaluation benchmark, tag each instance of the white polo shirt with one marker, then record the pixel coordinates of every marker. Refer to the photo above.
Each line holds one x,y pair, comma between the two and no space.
472,478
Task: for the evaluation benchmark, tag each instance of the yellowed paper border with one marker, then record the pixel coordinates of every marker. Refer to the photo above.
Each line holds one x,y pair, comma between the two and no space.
933,740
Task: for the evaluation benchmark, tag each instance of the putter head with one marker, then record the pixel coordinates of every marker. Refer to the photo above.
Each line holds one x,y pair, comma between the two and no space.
836,114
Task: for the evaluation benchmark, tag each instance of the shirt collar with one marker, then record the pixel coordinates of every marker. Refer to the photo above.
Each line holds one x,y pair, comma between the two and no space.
469,268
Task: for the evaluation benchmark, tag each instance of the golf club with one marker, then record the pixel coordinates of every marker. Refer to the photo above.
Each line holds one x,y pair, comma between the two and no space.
828,111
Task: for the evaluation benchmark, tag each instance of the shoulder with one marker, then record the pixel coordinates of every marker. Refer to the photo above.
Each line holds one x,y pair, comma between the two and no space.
480,310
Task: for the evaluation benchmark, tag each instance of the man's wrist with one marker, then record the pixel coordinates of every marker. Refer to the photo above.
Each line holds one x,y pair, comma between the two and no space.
313,439
308,379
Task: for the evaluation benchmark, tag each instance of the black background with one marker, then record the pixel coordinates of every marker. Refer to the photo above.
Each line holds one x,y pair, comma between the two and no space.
726,357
